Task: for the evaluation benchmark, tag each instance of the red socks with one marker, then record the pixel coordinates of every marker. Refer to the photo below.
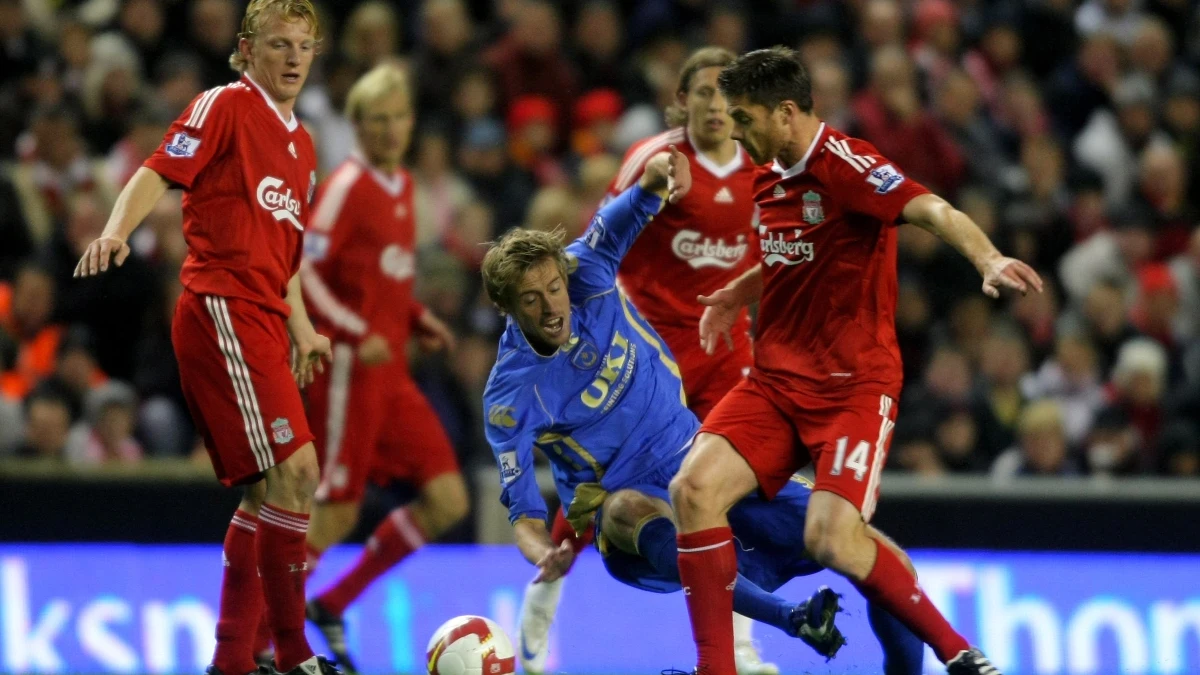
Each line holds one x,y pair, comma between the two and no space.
562,531
708,572
262,641
395,538
895,589
241,598
281,562
312,556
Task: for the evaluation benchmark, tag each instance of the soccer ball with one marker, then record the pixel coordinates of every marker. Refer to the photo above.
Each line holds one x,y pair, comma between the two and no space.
470,645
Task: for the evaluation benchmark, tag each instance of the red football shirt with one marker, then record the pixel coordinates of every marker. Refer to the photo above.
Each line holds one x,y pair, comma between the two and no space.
695,246
248,176
359,255
826,325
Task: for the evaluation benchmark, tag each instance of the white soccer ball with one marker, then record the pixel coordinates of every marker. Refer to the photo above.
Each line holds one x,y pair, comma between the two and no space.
470,645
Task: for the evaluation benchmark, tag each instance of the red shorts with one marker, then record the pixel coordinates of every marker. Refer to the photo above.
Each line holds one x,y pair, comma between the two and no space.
235,369
373,423
706,379
847,439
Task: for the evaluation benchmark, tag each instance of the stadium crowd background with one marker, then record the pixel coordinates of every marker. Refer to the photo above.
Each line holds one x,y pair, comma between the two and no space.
1069,131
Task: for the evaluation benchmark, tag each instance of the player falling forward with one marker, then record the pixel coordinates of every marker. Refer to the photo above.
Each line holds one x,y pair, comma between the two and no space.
701,242
247,169
370,420
826,362
582,377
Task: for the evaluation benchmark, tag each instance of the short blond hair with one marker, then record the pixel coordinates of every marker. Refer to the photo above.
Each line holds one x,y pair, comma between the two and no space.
257,13
509,258
374,85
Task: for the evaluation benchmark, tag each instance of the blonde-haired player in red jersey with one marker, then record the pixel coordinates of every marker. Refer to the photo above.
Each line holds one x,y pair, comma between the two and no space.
827,368
241,334
704,241
371,421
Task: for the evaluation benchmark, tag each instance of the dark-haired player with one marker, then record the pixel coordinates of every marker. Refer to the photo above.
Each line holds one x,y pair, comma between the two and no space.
826,363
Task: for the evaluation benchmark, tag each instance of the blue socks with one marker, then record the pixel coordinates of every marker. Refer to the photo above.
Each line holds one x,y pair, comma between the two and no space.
903,652
656,543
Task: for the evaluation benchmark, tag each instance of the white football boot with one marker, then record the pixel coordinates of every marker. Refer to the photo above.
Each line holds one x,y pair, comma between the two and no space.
745,654
537,615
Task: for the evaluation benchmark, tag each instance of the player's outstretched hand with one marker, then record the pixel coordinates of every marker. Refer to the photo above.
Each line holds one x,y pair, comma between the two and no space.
555,564
720,313
434,335
679,175
1009,273
308,357
95,259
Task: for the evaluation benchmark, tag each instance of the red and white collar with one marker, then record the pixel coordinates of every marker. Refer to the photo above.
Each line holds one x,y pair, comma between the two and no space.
392,184
799,167
719,170
290,123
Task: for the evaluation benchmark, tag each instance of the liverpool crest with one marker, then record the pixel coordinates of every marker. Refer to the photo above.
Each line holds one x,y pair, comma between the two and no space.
813,211
281,431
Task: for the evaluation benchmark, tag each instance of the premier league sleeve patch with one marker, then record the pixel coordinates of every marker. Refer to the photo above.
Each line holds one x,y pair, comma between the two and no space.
316,246
510,470
594,233
885,179
182,145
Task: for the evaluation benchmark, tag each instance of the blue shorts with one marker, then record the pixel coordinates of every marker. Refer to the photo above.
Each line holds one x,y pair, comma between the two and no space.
769,536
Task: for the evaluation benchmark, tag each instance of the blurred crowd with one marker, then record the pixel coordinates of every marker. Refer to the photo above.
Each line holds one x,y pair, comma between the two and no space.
1070,131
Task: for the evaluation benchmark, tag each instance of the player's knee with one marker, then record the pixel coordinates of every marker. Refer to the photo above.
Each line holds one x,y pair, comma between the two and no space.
622,511
446,505
298,476
690,491
451,513
253,497
826,544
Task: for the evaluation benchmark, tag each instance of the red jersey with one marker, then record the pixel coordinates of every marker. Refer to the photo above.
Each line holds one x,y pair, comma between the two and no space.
359,255
826,324
248,176
695,246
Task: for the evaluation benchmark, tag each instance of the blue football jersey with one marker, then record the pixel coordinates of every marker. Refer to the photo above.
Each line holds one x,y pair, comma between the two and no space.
608,406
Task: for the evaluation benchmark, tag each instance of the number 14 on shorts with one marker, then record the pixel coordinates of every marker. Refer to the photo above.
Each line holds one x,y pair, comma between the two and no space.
857,461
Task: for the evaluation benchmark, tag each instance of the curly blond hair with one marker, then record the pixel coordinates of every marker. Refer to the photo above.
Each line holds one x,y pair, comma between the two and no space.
257,14
507,261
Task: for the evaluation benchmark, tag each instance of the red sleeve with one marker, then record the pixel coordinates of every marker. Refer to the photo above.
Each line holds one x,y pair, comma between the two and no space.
202,133
632,166
865,182
328,231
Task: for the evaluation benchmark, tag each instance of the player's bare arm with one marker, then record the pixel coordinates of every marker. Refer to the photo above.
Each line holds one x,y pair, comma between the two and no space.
140,195
310,348
533,539
724,306
956,228
668,175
